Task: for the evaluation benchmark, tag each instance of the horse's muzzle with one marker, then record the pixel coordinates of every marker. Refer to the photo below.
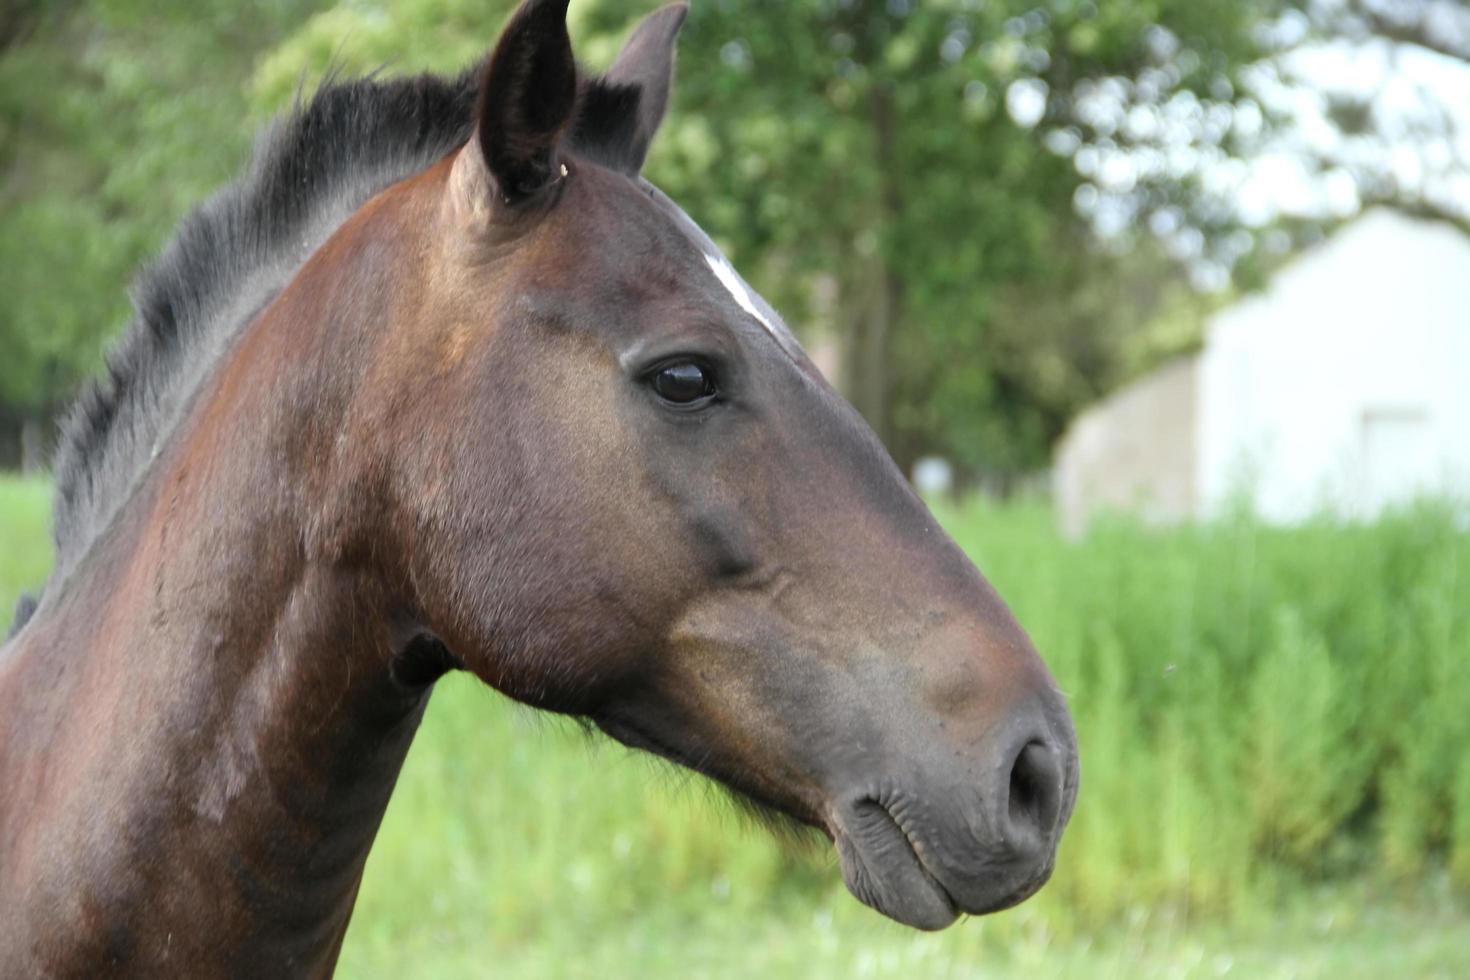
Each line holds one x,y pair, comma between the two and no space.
924,849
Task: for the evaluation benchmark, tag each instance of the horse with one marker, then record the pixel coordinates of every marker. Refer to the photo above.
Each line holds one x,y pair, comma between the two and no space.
443,383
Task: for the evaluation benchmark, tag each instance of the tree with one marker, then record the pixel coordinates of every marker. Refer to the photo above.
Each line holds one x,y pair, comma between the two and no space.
994,208
107,135
902,148
992,186
875,167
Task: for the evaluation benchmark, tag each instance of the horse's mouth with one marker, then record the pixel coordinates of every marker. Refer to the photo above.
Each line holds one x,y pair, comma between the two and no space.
880,864
887,866
886,863
884,869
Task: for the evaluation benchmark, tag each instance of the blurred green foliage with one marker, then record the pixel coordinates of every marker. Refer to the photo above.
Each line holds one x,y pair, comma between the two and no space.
115,118
25,504
857,159
1265,703
904,178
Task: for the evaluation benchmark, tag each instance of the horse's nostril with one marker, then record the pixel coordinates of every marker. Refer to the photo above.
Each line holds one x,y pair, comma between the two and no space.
1035,794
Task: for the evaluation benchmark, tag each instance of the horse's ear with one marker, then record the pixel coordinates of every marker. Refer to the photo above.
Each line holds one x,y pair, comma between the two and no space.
621,112
528,94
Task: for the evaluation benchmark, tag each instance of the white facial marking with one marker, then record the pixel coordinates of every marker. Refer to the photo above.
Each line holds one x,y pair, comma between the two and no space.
730,279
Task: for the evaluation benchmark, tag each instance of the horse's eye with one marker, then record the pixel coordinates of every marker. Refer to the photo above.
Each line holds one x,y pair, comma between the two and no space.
684,383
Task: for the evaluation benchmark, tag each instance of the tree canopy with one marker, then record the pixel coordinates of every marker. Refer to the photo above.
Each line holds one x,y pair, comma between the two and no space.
994,209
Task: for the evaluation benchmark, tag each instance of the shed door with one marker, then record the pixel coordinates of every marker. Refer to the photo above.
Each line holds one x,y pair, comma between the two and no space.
1398,456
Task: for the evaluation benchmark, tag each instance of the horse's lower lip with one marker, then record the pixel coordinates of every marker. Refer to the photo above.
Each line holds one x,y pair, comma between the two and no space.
940,892
885,867
885,870
929,873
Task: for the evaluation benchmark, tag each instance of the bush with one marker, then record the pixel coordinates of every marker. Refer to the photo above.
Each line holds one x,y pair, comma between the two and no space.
1252,703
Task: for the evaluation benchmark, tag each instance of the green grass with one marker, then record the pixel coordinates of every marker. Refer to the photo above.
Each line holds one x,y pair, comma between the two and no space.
25,546
1273,726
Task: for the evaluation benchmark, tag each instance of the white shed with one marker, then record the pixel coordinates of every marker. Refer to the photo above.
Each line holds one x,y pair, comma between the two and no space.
1344,386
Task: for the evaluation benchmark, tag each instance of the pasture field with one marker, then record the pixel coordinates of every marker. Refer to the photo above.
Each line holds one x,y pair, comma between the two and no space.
1274,728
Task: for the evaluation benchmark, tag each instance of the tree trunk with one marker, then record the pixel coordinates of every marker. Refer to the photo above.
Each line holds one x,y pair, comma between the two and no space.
32,446
872,297
9,441
869,306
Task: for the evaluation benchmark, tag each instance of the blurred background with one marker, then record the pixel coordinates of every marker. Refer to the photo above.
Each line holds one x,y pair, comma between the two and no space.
1164,303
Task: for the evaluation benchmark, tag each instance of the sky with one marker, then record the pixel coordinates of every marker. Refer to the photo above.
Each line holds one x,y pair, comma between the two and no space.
1416,147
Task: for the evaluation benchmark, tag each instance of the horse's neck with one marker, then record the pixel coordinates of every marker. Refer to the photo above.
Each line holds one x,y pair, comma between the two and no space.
200,729
204,811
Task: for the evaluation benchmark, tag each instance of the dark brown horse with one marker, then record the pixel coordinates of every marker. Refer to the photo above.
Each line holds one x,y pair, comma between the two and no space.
444,384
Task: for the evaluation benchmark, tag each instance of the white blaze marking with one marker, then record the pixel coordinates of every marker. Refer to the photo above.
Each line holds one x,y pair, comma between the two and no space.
730,279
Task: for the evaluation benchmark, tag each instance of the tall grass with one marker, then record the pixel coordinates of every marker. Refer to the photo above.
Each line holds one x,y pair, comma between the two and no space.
1259,711
1253,704
25,548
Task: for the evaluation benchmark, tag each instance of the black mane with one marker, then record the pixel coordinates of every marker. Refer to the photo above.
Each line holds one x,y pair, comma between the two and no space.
311,169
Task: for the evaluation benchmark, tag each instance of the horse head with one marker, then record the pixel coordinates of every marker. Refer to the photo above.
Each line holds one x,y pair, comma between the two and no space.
622,491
